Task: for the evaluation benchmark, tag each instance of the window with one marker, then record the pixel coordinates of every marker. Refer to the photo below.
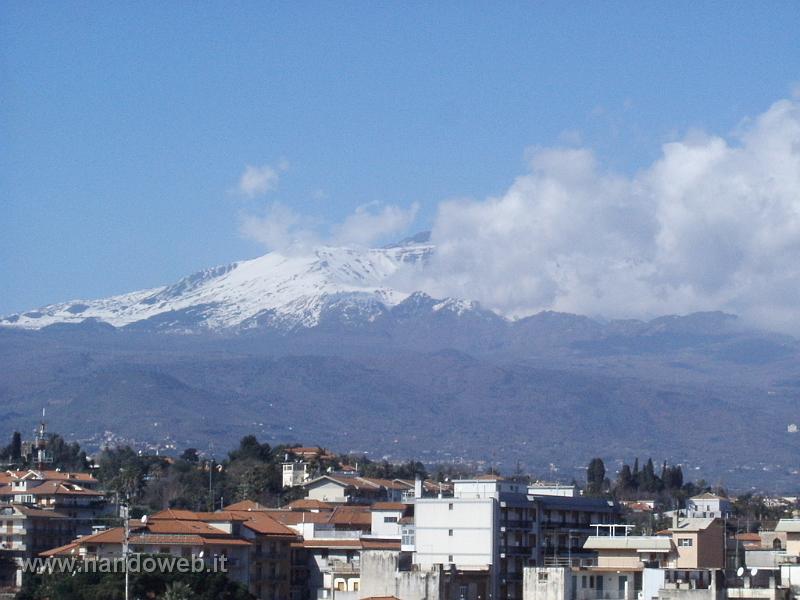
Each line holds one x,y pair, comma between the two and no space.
450,506
542,576
685,542
450,532
583,581
390,519
449,558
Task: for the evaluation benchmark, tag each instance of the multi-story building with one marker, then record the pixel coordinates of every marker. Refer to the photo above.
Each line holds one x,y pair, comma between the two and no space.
75,495
492,528
256,547
692,549
295,473
565,523
708,505
24,533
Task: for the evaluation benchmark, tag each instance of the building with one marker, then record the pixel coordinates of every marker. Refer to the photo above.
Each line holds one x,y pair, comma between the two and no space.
700,543
564,583
75,495
295,473
543,488
256,547
565,523
790,528
355,489
492,528
709,505
483,535
24,533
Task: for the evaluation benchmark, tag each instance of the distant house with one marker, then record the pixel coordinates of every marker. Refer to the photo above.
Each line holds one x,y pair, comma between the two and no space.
709,505
335,488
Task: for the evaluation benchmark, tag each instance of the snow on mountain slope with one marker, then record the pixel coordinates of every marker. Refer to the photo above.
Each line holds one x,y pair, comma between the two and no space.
283,289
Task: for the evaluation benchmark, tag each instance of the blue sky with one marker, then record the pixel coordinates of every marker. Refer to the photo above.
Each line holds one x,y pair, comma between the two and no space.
125,127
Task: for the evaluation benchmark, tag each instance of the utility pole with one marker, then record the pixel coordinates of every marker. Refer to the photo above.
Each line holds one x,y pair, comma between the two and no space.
210,493
126,545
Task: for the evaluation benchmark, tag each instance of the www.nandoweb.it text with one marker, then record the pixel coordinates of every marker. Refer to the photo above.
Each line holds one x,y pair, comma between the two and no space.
134,564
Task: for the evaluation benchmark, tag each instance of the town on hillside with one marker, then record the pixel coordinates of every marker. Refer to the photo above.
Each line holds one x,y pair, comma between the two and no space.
303,523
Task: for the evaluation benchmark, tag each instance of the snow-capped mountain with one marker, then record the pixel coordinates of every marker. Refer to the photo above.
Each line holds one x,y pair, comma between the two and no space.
283,290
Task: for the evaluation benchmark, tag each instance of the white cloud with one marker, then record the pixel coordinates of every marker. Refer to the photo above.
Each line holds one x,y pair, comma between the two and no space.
373,222
712,224
258,180
278,227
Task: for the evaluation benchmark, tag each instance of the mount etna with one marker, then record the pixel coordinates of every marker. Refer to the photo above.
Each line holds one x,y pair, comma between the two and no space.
322,346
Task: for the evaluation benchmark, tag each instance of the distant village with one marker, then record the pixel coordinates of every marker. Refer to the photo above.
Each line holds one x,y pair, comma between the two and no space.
302,523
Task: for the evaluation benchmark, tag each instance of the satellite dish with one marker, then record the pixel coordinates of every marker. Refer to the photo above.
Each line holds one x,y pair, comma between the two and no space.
753,572
144,519
740,571
202,554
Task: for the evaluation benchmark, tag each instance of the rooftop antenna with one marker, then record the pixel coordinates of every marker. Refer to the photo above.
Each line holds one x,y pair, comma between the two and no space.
40,454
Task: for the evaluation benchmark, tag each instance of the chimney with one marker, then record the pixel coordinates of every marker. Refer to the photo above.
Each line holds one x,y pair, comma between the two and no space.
417,487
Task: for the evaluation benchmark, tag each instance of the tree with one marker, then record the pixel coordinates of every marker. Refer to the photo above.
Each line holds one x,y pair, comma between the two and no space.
15,449
625,483
250,448
595,476
178,591
190,455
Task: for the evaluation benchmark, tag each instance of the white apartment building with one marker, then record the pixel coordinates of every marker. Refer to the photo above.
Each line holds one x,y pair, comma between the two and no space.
486,533
491,529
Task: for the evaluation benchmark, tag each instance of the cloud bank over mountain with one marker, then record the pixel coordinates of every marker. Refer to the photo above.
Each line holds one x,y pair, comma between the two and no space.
713,224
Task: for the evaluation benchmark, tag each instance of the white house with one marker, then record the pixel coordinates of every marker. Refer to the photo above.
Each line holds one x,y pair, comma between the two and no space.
709,505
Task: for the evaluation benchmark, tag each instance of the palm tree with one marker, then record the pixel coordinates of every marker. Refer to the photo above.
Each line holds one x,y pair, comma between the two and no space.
178,591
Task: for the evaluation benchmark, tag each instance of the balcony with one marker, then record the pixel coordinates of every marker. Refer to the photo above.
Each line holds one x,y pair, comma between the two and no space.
345,568
333,534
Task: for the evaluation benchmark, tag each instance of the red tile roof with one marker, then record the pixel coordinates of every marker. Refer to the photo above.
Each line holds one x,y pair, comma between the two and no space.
309,504
260,521
246,505
389,506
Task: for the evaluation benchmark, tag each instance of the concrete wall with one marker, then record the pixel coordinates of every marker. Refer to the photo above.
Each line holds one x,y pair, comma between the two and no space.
793,543
546,583
619,558
652,582
380,577
472,522
326,491
382,529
